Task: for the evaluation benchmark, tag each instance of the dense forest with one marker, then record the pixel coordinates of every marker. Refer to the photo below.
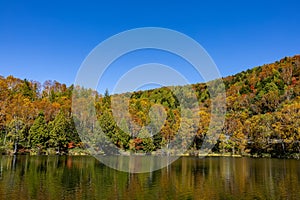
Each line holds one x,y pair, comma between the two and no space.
262,118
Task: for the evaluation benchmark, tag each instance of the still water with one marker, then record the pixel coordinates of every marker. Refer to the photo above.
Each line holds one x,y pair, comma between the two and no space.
83,177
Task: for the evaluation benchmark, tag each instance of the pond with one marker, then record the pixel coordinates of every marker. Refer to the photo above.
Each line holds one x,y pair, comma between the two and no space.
84,177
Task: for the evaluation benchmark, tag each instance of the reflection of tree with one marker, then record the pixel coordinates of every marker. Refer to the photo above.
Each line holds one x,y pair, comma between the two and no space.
187,178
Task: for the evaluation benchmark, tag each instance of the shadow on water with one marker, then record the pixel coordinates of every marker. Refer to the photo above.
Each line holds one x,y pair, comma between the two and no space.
84,177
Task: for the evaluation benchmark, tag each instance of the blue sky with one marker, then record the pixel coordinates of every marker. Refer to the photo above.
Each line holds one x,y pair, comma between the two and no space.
41,40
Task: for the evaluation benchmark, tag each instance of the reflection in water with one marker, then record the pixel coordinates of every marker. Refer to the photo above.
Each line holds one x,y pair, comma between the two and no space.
137,164
60,177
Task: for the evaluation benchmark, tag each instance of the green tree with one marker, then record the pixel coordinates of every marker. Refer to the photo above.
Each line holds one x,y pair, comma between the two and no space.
38,133
147,140
111,130
16,134
59,131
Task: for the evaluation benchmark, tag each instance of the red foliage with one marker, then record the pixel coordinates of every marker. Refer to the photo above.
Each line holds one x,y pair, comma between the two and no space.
71,145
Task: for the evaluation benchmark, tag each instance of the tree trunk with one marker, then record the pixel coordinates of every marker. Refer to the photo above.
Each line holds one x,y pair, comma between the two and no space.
16,147
4,141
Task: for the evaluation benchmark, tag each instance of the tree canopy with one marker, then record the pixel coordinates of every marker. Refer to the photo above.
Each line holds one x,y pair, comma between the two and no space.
263,109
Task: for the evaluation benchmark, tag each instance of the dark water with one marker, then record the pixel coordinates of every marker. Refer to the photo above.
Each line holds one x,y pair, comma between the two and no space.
84,177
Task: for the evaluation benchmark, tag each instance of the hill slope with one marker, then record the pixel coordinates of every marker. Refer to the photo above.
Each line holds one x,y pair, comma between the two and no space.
263,115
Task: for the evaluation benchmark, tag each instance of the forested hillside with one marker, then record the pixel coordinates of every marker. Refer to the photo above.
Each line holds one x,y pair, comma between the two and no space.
263,115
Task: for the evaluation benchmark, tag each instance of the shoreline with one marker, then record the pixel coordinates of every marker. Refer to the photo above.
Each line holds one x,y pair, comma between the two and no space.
127,154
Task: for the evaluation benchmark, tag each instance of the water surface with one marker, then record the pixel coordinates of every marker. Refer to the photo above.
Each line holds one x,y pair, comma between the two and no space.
84,177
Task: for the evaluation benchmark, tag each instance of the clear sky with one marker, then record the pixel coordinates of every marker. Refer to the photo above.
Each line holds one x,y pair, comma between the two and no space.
41,40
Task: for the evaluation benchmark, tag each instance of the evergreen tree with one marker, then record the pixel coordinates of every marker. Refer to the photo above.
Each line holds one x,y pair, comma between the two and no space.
59,131
38,133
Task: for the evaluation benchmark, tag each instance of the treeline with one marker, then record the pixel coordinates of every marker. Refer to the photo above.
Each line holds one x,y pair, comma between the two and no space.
262,103
35,117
